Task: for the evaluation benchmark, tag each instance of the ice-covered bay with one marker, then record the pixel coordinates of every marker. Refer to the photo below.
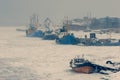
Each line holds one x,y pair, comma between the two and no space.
23,58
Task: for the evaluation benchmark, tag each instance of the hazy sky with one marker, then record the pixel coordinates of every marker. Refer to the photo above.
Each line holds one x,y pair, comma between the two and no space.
17,12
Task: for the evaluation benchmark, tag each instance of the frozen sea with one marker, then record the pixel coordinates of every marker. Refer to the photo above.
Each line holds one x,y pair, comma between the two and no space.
25,58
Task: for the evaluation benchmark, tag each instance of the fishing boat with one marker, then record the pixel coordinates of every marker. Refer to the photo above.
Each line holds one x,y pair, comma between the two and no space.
50,36
81,65
49,33
94,41
67,37
33,28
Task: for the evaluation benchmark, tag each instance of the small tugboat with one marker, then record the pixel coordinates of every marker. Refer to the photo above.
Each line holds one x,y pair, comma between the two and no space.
81,65
33,30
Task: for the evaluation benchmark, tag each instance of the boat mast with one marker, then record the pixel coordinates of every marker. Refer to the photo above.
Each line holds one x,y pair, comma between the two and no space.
66,25
34,21
88,21
37,22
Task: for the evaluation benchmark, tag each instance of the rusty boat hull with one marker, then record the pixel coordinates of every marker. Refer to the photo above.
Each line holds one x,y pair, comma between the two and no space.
83,69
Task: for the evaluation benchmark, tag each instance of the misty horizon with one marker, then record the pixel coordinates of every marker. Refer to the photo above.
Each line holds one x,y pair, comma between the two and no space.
18,12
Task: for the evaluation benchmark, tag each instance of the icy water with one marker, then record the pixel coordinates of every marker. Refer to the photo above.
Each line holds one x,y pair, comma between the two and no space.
23,58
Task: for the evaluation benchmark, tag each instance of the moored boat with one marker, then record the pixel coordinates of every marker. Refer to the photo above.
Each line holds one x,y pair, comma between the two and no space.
67,37
81,65
50,36
49,33
33,28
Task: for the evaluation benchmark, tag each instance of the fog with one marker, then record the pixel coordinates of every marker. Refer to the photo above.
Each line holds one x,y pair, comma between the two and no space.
17,12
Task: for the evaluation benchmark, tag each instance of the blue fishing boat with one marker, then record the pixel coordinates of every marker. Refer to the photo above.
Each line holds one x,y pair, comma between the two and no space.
67,38
49,33
50,36
33,28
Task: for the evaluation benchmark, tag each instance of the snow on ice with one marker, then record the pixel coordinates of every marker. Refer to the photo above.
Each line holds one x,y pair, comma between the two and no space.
24,58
